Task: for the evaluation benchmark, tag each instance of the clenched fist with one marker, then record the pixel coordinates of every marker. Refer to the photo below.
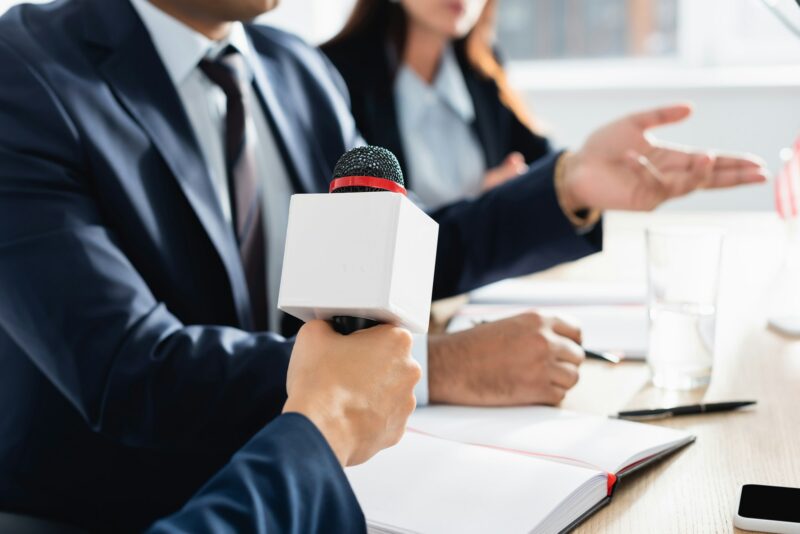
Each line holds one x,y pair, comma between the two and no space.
526,359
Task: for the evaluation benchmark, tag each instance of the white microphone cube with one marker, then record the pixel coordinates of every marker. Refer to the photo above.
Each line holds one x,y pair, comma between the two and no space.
369,255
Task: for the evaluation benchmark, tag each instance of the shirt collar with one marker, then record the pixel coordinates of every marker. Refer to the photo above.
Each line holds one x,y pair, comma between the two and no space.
452,88
448,88
181,48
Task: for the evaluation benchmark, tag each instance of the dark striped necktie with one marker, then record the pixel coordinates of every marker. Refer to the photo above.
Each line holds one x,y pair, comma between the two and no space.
230,74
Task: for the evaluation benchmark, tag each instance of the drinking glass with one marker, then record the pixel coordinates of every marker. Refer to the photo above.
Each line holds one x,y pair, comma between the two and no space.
683,271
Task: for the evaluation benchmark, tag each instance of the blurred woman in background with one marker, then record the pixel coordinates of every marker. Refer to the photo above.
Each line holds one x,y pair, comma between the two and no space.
425,83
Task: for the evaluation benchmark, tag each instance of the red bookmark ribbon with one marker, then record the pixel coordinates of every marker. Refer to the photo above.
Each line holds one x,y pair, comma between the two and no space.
611,478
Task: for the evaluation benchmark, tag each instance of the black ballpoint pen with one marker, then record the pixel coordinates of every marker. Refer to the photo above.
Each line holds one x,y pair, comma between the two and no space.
606,356
690,409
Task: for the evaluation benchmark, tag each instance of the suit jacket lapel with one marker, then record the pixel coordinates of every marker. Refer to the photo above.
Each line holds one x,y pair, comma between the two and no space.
483,93
485,123
138,78
295,144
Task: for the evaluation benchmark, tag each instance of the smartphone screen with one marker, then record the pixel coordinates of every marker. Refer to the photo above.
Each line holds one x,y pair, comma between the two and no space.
770,502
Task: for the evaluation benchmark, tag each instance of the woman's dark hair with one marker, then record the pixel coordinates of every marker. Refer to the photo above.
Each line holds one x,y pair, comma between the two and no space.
375,23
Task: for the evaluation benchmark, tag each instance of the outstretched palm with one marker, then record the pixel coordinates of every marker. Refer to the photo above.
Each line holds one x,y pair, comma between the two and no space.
621,167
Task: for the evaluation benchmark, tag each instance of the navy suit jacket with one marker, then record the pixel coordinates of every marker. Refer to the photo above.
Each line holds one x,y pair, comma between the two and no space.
130,375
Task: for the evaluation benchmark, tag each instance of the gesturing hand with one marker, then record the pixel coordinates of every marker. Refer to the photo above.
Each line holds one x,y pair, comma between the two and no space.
621,167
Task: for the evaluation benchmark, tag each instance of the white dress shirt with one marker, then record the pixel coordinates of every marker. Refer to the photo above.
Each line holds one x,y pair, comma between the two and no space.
443,154
181,49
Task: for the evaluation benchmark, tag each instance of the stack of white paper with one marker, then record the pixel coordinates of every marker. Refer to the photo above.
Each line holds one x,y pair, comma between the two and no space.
560,292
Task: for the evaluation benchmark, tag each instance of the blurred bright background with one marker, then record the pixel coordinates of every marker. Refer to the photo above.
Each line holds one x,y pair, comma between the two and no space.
582,62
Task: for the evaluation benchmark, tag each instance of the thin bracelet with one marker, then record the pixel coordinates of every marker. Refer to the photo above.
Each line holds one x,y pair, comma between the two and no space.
582,218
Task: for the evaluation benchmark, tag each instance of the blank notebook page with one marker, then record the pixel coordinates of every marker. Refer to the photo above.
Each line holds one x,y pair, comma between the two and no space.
426,484
608,444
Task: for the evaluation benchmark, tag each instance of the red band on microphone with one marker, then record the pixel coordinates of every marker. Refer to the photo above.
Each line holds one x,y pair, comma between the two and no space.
367,181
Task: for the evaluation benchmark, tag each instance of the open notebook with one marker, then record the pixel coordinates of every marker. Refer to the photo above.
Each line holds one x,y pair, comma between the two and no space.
510,470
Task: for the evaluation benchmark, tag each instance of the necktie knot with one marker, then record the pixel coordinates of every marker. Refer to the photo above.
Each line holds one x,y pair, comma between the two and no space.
228,71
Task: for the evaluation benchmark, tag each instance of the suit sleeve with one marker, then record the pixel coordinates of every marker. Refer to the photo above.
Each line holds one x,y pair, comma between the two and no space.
515,229
286,479
71,300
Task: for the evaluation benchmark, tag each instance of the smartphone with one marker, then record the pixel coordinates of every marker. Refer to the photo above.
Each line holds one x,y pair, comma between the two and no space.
768,509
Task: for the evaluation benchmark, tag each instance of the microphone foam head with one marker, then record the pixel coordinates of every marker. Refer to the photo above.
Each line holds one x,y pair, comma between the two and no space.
373,161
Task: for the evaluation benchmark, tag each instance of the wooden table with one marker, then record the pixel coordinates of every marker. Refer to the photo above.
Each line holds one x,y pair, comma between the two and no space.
695,489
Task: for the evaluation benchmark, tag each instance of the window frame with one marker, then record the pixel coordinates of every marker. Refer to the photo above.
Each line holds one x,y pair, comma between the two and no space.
703,58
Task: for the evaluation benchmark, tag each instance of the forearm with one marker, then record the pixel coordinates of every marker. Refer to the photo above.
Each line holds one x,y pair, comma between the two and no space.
445,369
456,365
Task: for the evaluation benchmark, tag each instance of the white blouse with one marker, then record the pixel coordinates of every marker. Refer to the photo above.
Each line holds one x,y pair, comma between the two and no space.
443,156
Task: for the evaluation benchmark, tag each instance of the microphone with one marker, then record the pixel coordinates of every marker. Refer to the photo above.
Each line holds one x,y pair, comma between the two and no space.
363,170
367,169
360,257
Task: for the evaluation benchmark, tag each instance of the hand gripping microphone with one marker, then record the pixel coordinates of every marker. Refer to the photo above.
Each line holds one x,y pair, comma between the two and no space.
362,256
